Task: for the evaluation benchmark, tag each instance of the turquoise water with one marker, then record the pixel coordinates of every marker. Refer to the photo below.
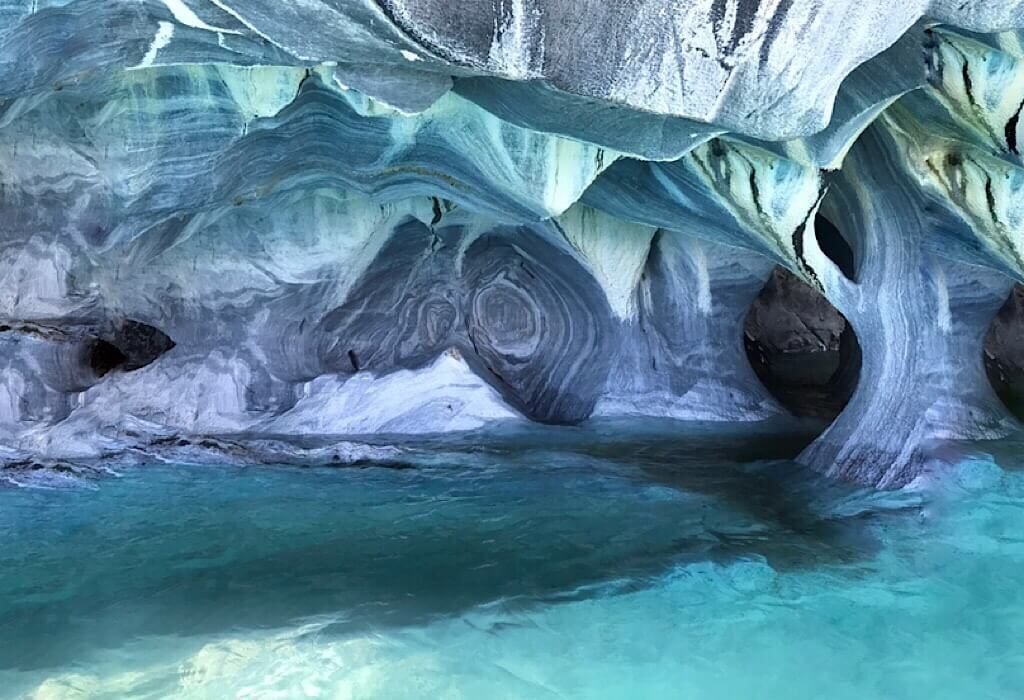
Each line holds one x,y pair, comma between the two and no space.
581,567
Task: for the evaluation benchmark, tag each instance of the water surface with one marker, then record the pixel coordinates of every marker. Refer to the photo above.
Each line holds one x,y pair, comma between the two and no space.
618,561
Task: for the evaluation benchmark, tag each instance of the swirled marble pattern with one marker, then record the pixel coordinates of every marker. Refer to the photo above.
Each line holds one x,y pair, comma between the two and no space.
769,70
411,216
538,324
922,320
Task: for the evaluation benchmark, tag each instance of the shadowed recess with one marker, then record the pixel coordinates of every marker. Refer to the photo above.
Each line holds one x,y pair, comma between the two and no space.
835,246
801,347
1004,352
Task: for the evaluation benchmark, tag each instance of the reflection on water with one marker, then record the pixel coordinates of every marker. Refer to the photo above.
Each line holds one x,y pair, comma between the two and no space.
619,560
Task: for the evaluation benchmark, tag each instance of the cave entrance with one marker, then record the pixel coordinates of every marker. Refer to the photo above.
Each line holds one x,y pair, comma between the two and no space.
802,349
1004,352
129,346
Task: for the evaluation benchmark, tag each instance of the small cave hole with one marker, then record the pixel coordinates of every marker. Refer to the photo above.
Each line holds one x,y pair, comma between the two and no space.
802,349
140,343
835,246
1004,352
104,357
129,346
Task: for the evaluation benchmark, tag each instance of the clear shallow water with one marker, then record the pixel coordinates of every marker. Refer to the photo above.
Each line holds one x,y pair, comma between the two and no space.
637,566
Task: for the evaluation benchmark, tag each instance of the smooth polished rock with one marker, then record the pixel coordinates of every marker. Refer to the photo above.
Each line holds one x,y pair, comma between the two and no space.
246,216
517,302
155,149
921,322
682,354
726,192
538,324
960,136
679,304
768,70
322,296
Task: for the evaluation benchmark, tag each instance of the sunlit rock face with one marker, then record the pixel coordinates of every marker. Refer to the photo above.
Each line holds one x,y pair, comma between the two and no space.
258,219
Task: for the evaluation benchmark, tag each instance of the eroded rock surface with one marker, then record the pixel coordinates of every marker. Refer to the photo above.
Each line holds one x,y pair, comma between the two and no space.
393,217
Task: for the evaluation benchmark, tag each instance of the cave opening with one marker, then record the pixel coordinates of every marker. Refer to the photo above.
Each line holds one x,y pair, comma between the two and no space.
1004,352
129,346
834,245
801,348
104,358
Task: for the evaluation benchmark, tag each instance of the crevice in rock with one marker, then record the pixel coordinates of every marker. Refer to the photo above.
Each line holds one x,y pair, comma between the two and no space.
801,347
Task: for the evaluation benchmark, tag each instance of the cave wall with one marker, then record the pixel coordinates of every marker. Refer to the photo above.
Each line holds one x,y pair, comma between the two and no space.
376,218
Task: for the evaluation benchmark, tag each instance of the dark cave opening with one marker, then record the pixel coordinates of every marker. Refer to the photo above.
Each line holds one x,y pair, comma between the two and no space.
835,246
140,343
129,346
802,349
104,357
1004,352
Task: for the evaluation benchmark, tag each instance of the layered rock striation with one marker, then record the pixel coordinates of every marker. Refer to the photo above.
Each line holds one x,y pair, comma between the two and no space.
266,220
